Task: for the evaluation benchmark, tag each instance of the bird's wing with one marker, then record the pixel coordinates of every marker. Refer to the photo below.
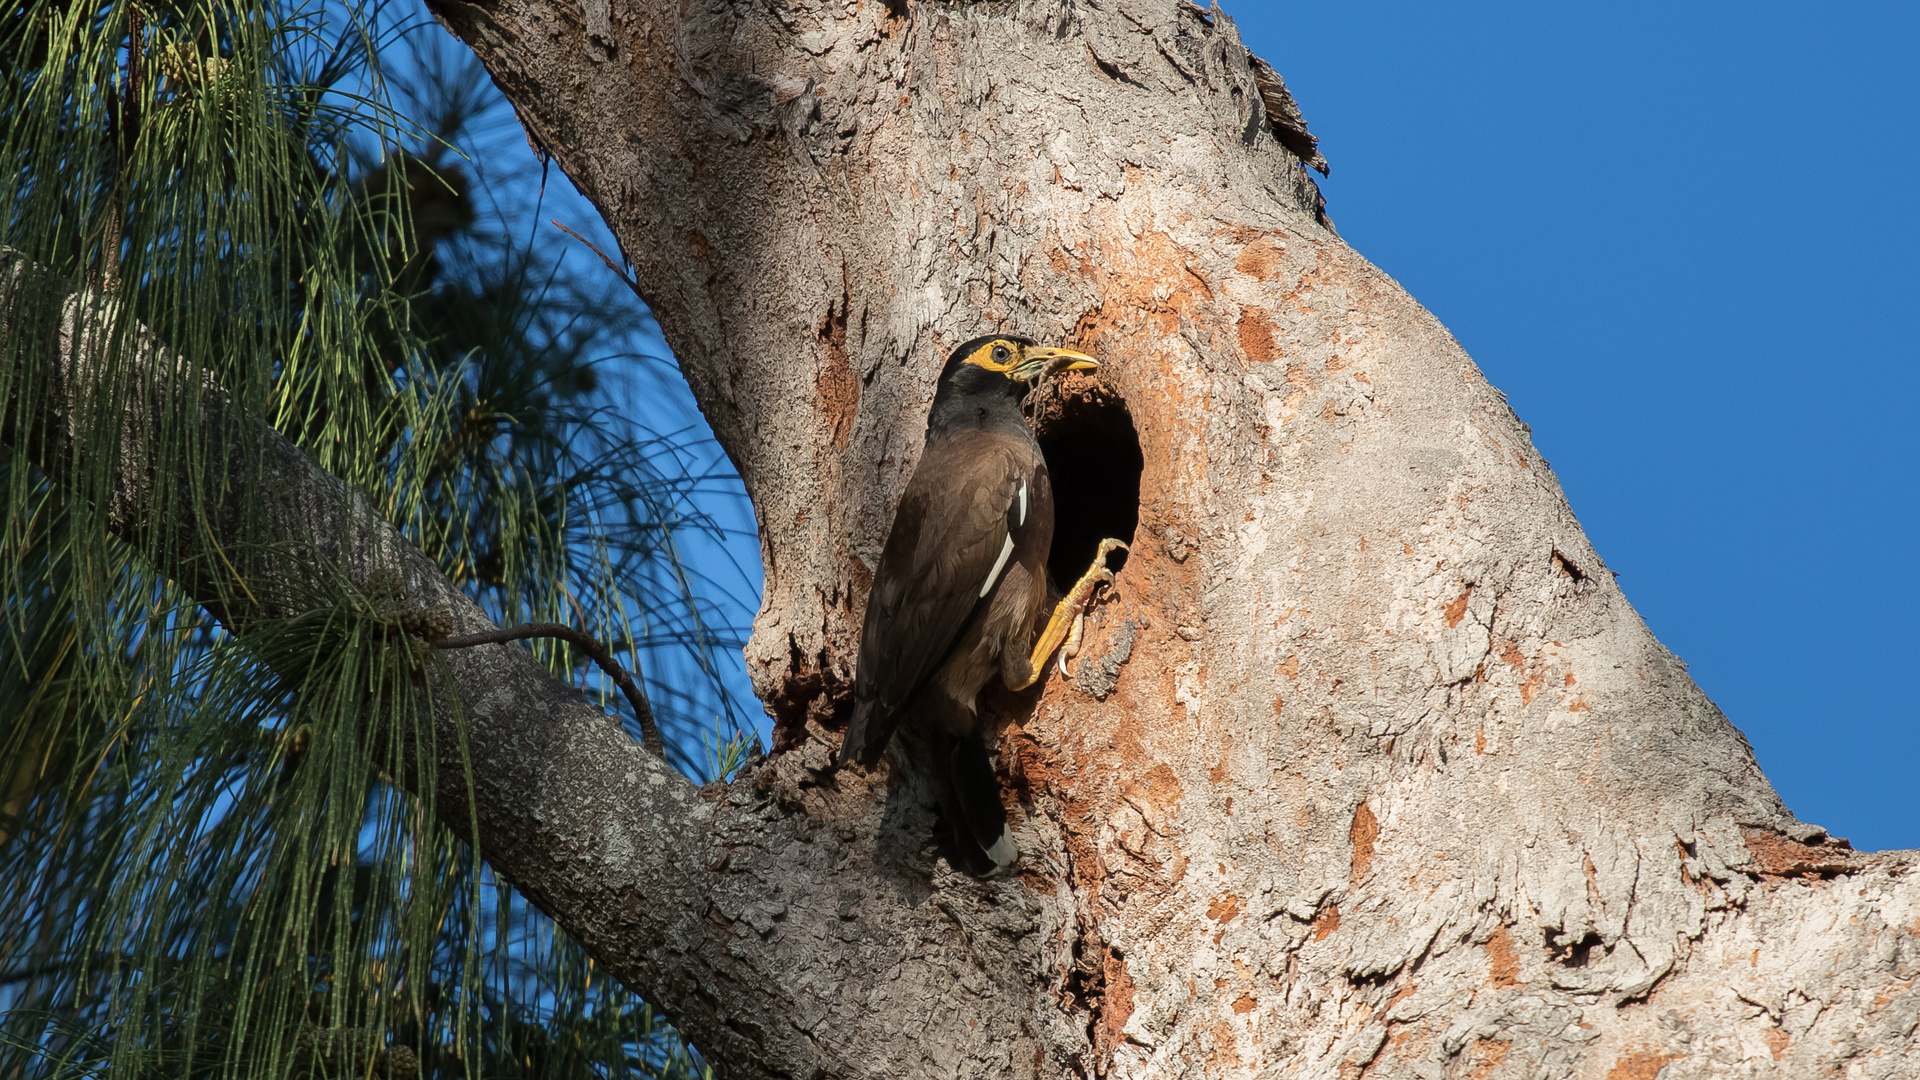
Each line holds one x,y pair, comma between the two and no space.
952,541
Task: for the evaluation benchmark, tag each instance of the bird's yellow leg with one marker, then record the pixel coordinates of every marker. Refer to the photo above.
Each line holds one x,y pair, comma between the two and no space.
1071,647
1067,614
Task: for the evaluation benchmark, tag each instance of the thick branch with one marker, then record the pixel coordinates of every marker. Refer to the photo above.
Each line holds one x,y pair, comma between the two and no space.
719,905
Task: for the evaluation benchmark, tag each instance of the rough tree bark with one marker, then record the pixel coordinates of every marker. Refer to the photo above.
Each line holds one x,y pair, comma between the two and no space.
1368,768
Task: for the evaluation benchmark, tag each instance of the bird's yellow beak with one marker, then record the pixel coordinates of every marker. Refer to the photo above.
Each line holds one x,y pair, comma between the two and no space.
1040,360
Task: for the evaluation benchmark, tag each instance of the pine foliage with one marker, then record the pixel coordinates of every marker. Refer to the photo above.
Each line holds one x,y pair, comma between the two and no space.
204,867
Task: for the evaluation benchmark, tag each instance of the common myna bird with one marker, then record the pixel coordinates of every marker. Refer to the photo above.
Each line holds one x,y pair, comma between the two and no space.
960,582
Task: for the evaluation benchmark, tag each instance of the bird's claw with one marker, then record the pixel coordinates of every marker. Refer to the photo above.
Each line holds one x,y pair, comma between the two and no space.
1083,590
1095,575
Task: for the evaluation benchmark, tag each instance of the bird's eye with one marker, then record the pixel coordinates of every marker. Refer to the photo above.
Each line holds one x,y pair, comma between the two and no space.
1000,354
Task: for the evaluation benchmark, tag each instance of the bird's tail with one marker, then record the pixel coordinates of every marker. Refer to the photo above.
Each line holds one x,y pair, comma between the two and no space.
862,742
970,802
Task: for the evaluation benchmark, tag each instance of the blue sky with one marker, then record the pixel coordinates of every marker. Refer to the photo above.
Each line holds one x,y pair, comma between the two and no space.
1682,238
1682,241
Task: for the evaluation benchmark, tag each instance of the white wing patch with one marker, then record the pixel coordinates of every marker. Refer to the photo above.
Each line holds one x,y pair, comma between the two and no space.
1022,495
999,564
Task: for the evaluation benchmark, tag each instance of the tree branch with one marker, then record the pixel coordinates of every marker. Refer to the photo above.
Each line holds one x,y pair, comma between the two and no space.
586,643
731,908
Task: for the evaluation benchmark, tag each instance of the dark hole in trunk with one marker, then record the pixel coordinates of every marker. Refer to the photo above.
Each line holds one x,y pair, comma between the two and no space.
1093,458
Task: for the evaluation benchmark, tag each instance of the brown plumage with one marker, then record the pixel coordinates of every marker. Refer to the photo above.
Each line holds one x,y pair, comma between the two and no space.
960,582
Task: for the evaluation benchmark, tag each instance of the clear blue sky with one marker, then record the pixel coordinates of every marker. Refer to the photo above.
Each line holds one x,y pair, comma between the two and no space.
1683,239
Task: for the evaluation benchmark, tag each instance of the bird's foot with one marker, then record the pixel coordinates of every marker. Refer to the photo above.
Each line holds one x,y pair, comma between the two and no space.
1076,599
1068,619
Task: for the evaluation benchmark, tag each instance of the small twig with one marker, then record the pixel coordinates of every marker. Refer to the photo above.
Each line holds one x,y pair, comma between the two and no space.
649,731
611,265
123,128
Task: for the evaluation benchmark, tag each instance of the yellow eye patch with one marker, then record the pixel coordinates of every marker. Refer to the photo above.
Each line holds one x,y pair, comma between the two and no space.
996,355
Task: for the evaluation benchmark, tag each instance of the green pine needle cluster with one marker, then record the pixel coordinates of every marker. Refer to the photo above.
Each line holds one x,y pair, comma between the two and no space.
206,867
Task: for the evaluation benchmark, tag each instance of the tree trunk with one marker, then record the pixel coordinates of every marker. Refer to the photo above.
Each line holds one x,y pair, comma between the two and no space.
1367,768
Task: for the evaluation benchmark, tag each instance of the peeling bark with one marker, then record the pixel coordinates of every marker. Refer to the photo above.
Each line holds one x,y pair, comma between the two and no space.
1368,767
